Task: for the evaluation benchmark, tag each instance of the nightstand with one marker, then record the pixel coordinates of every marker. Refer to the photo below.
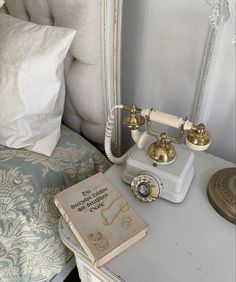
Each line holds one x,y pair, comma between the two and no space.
186,242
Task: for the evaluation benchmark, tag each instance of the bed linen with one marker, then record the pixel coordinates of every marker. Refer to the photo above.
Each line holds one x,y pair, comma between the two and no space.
30,247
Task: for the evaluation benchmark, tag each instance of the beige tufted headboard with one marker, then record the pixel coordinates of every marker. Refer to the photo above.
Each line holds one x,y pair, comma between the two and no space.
92,68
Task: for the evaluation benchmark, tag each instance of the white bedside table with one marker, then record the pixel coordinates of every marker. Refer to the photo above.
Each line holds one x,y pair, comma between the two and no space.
186,242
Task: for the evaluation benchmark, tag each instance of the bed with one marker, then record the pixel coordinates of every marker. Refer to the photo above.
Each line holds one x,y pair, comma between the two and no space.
30,247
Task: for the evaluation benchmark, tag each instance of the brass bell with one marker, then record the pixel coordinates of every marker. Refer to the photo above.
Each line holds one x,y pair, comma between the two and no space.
162,151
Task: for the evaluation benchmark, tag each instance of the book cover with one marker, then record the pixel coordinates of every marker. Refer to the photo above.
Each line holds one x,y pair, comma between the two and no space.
101,219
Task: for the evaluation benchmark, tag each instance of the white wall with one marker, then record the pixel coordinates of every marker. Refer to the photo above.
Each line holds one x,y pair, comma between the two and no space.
163,46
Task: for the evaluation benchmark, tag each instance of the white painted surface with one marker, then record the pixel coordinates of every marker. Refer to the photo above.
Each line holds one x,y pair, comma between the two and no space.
185,242
163,47
219,113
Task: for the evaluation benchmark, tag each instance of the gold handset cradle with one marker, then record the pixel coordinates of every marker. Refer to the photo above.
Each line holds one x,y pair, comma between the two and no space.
155,168
134,120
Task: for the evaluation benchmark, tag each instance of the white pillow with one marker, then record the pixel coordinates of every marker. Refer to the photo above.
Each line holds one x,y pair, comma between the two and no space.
32,88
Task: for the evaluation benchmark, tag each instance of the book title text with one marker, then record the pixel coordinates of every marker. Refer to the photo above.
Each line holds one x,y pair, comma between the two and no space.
92,200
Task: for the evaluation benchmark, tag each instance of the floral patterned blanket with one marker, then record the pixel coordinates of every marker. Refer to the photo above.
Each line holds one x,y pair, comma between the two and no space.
30,247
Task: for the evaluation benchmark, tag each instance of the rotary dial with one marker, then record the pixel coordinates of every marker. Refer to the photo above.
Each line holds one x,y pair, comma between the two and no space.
146,188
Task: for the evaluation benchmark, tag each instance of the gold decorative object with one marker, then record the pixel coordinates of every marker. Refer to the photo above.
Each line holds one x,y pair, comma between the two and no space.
221,193
162,151
198,136
134,120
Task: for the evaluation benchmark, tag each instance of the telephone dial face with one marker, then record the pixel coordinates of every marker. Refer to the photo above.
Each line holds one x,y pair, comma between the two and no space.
146,188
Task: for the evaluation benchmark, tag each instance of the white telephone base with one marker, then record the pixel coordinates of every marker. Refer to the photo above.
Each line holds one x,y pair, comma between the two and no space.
174,179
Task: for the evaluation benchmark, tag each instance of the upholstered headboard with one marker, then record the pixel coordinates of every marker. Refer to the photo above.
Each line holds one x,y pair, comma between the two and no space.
92,68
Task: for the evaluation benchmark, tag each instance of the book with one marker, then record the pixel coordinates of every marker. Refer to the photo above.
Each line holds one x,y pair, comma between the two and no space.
101,219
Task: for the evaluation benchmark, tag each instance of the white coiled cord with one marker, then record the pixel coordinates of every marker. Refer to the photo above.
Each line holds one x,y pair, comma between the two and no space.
108,138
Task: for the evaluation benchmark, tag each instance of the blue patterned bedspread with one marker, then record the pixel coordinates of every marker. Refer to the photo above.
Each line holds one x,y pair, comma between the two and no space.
30,247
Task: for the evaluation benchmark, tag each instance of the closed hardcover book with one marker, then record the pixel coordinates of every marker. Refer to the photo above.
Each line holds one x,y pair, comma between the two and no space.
101,219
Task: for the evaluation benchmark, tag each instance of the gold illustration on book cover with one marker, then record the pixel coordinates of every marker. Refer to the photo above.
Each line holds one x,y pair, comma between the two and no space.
93,201
110,213
99,240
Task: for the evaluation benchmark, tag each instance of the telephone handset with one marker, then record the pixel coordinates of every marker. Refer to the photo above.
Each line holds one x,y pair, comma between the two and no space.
154,167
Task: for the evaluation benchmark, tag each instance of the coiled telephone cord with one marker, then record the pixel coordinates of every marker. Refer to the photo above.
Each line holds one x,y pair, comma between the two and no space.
108,138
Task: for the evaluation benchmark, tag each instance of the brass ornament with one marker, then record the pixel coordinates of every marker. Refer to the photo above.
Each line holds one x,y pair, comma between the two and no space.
134,120
221,193
162,151
198,135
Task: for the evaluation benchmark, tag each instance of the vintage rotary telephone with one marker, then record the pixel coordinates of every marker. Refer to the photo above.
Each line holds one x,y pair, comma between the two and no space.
154,167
